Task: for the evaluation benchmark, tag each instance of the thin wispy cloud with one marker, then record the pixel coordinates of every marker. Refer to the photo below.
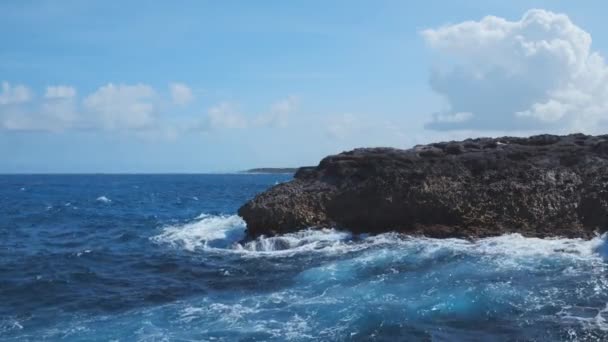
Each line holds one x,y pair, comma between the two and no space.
122,106
181,94
59,92
14,94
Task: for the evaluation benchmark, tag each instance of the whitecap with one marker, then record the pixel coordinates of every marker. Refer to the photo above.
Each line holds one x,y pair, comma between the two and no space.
103,199
8,324
206,232
86,251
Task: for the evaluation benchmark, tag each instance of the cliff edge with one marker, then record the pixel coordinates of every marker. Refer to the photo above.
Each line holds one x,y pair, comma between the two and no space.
542,186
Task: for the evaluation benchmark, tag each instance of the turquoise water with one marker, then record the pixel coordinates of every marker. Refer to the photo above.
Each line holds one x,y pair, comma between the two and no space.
155,258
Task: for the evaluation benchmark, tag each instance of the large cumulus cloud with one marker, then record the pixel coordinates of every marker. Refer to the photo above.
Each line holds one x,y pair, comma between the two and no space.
536,73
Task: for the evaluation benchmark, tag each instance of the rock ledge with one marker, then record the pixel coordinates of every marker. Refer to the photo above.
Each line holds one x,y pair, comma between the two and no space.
542,186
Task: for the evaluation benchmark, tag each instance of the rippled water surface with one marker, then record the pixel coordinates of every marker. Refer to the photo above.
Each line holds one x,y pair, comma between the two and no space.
153,258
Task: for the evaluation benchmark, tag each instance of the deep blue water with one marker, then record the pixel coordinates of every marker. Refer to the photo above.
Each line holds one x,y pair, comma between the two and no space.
157,258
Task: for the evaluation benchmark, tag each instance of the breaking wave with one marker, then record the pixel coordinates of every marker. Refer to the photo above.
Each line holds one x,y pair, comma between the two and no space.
226,233
406,279
206,231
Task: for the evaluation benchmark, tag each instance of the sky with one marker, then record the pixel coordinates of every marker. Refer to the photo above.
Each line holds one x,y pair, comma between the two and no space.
222,86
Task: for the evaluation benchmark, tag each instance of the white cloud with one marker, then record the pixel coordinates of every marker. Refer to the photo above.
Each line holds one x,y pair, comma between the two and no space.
535,73
15,119
14,94
224,115
550,111
453,117
57,111
50,116
133,108
111,107
181,94
117,107
278,115
59,92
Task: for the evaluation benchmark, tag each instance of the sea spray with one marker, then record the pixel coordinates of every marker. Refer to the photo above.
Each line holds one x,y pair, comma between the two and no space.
206,231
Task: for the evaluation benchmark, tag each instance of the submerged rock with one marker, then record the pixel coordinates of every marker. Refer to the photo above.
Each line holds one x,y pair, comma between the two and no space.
542,186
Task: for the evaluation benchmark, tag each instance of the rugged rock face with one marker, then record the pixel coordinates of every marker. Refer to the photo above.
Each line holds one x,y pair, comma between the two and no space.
541,186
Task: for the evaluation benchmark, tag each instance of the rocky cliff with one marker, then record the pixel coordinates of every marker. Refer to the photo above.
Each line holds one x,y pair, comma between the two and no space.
541,186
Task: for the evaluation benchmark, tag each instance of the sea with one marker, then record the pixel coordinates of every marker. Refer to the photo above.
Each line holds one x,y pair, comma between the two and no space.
162,258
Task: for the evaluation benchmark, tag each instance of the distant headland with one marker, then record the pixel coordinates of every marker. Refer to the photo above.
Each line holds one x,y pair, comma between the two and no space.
272,170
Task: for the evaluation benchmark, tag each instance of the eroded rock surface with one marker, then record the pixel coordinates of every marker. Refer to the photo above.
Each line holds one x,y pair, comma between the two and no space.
541,186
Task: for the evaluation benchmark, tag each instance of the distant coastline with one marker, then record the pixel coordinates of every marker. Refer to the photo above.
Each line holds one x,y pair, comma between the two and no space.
272,170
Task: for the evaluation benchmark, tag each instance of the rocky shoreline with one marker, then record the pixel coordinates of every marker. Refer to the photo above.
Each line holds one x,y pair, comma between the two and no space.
540,186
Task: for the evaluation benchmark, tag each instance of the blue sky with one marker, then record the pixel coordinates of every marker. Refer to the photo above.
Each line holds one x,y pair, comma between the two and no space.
209,86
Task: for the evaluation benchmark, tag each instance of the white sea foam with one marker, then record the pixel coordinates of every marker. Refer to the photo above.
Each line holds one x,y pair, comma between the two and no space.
9,324
590,318
247,316
104,199
206,231
508,245
302,241
224,233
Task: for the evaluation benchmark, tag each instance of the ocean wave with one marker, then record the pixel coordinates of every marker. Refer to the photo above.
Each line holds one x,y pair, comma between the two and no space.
147,267
225,233
207,231
103,199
